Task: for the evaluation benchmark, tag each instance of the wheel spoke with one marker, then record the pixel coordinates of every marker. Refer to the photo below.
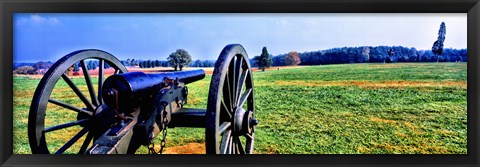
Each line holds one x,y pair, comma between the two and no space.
66,125
72,141
248,136
227,94
86,142
78,92
238,67
244,97
68,106
223,127
241,82
100,80
250,141
239,146
224,147
225,109
232,148
231,80
91,90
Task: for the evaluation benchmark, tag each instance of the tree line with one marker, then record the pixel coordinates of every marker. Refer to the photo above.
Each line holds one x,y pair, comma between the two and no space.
343,55
367,54
378,54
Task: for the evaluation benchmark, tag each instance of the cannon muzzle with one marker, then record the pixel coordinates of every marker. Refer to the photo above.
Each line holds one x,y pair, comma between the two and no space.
125,91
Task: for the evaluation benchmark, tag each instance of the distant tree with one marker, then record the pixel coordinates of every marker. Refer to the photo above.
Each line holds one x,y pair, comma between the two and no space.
158,63
179,59
89,65
437,47
390,57
173,60
152,64
92,65
107,65
95,65
458,59
42,65
133,62
128,61
256,61
164,63
292,59
365,55
148,64
265,60
197,63
75,67
24,70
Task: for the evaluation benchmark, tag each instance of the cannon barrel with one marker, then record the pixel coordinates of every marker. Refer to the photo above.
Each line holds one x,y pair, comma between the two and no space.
125,91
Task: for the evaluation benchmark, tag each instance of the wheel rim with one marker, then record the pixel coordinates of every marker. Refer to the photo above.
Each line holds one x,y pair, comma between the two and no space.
86,117
230,118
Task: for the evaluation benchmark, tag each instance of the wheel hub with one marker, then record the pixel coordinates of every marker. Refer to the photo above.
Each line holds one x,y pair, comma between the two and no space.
243,121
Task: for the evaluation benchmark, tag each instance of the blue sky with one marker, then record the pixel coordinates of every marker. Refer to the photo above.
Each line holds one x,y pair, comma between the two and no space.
48,37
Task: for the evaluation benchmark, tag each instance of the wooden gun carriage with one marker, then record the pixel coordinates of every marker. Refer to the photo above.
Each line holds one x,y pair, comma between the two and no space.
130,109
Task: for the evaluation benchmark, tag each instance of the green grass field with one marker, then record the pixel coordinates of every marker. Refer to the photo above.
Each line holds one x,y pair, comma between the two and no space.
404,108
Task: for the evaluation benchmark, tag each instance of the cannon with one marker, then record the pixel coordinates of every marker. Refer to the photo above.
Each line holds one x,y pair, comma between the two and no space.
120,112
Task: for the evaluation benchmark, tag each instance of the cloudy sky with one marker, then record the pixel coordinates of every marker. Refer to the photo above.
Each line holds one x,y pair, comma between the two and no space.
48,37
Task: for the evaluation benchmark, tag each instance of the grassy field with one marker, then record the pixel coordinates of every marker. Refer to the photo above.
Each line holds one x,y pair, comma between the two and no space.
409,108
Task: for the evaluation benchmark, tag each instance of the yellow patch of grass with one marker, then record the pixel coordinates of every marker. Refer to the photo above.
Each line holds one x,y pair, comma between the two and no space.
194,100
413,128
447,132
58,138
363,149
380,120
23,93
401,134
408,124
422,148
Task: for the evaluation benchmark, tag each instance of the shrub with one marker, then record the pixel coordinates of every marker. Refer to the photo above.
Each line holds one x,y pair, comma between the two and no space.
24,70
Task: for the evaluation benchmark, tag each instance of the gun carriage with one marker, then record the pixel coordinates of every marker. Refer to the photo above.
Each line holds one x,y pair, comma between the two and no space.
129,109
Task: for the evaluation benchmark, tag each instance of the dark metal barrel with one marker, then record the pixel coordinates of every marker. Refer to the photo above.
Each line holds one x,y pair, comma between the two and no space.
125,91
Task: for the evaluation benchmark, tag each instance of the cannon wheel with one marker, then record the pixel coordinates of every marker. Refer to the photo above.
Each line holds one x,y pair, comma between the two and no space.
230,112
86,117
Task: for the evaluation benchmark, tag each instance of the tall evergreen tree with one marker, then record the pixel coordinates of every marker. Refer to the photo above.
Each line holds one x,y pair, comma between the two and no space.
265,60
437,47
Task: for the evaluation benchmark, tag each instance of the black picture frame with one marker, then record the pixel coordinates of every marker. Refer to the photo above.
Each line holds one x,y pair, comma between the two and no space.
9,7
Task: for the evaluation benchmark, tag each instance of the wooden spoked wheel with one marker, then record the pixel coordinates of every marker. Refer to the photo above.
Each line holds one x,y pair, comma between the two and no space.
230,117
74,109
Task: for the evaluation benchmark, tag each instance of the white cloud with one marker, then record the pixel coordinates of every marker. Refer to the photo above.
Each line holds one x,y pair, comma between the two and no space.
53,21
38,20
283,22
